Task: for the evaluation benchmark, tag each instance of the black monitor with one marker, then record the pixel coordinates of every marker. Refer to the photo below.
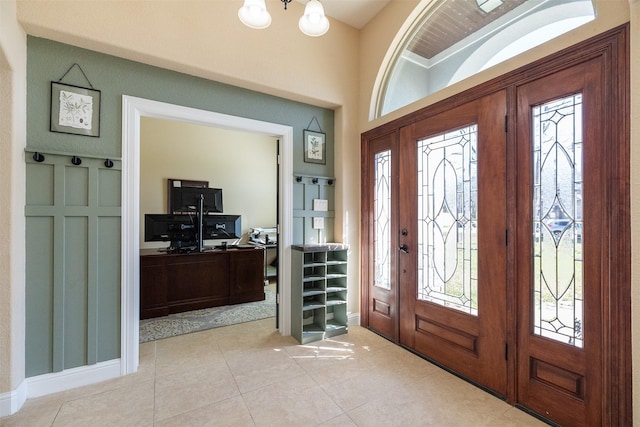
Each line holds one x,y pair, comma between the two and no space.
180,230
187,199
221,227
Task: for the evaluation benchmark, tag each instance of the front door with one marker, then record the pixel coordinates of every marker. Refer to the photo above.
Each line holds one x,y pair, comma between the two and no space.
502,235
452,257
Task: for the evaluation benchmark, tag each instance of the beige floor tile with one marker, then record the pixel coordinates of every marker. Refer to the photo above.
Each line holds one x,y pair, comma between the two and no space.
358,390
294,402
39,412
339,421
363,338
187,351
258,368
328,370
402,364
125,406
247,374
515,417
184,391
229,412
440,399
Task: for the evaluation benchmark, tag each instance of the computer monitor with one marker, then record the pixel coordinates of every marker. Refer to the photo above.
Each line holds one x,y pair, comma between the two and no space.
221,227
180,230
187,199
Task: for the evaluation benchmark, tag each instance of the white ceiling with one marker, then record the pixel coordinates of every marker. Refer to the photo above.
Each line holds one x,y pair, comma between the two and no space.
352,12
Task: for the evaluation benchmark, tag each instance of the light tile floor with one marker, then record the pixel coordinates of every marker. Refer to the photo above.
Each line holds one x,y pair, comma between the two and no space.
249,375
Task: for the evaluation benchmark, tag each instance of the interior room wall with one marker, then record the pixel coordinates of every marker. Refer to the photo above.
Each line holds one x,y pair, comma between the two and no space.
114,77
207,40
242,164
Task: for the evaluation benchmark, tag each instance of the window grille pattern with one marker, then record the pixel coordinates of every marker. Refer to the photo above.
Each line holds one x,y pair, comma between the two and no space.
382,219
557,220
447,220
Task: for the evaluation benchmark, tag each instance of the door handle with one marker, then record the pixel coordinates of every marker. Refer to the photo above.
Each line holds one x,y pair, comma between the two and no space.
404,248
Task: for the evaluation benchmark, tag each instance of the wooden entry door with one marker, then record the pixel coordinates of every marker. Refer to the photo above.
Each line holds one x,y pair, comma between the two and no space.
566,238
561,208
452,220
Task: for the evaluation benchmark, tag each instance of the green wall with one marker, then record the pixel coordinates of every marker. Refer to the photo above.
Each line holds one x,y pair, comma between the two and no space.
73,212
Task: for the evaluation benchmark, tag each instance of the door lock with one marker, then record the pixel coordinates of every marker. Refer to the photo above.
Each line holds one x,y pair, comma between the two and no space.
404,248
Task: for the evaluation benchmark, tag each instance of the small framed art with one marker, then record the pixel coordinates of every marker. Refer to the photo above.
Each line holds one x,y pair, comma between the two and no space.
75,110
315,147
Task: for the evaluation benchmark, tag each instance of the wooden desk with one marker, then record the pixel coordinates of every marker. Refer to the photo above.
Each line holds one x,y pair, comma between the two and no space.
174,283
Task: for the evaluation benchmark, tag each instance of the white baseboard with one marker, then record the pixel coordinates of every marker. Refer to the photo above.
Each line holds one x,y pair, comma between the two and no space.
12,401
72,378
353,319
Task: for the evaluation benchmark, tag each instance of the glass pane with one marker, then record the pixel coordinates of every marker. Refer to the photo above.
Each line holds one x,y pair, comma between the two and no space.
382,220
447,220
557,220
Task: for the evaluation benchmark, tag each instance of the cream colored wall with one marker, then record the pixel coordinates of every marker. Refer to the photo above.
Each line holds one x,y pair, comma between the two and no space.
13,87
243,164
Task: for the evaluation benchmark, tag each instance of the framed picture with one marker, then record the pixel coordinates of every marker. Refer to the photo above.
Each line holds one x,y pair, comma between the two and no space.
315,147
75,110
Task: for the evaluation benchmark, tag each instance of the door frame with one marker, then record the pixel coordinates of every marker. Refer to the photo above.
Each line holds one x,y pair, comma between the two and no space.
613,47
133,109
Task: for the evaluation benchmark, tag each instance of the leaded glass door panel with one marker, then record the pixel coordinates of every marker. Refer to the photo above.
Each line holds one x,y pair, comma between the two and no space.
380,202
453,273
561,188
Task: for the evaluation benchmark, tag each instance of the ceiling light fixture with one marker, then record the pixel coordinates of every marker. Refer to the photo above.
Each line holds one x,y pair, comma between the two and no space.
313,22
488,5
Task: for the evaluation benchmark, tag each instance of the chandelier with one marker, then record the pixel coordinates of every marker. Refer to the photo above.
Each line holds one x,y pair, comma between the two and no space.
313,22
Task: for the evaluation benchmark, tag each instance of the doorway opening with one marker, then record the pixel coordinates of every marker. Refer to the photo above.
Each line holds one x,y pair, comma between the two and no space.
241,168
132,110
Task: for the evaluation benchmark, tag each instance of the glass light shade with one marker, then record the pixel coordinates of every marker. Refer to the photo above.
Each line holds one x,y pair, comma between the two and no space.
254,14
314,23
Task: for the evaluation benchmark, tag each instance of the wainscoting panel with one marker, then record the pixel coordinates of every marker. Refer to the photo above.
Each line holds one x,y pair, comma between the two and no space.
73,244
306,189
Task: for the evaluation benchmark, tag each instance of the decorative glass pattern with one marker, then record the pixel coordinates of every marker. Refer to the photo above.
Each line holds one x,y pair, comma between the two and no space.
557,220
447,220
382,220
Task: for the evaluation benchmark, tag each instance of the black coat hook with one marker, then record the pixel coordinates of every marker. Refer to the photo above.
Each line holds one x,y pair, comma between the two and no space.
330,182
38,157
108,163
298,179
76,160
314,180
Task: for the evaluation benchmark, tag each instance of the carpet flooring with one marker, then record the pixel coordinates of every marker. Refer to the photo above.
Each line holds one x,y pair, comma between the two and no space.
199,320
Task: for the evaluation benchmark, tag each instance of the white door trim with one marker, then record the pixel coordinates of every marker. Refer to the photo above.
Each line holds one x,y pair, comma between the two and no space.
132,109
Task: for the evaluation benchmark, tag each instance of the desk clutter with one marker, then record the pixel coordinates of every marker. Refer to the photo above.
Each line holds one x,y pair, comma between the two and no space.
267,238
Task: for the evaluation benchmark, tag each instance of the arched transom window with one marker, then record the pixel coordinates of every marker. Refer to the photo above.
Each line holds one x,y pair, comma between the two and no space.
455,39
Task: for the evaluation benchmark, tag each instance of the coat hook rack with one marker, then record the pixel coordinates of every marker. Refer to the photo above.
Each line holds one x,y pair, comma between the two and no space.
38,157
77,161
